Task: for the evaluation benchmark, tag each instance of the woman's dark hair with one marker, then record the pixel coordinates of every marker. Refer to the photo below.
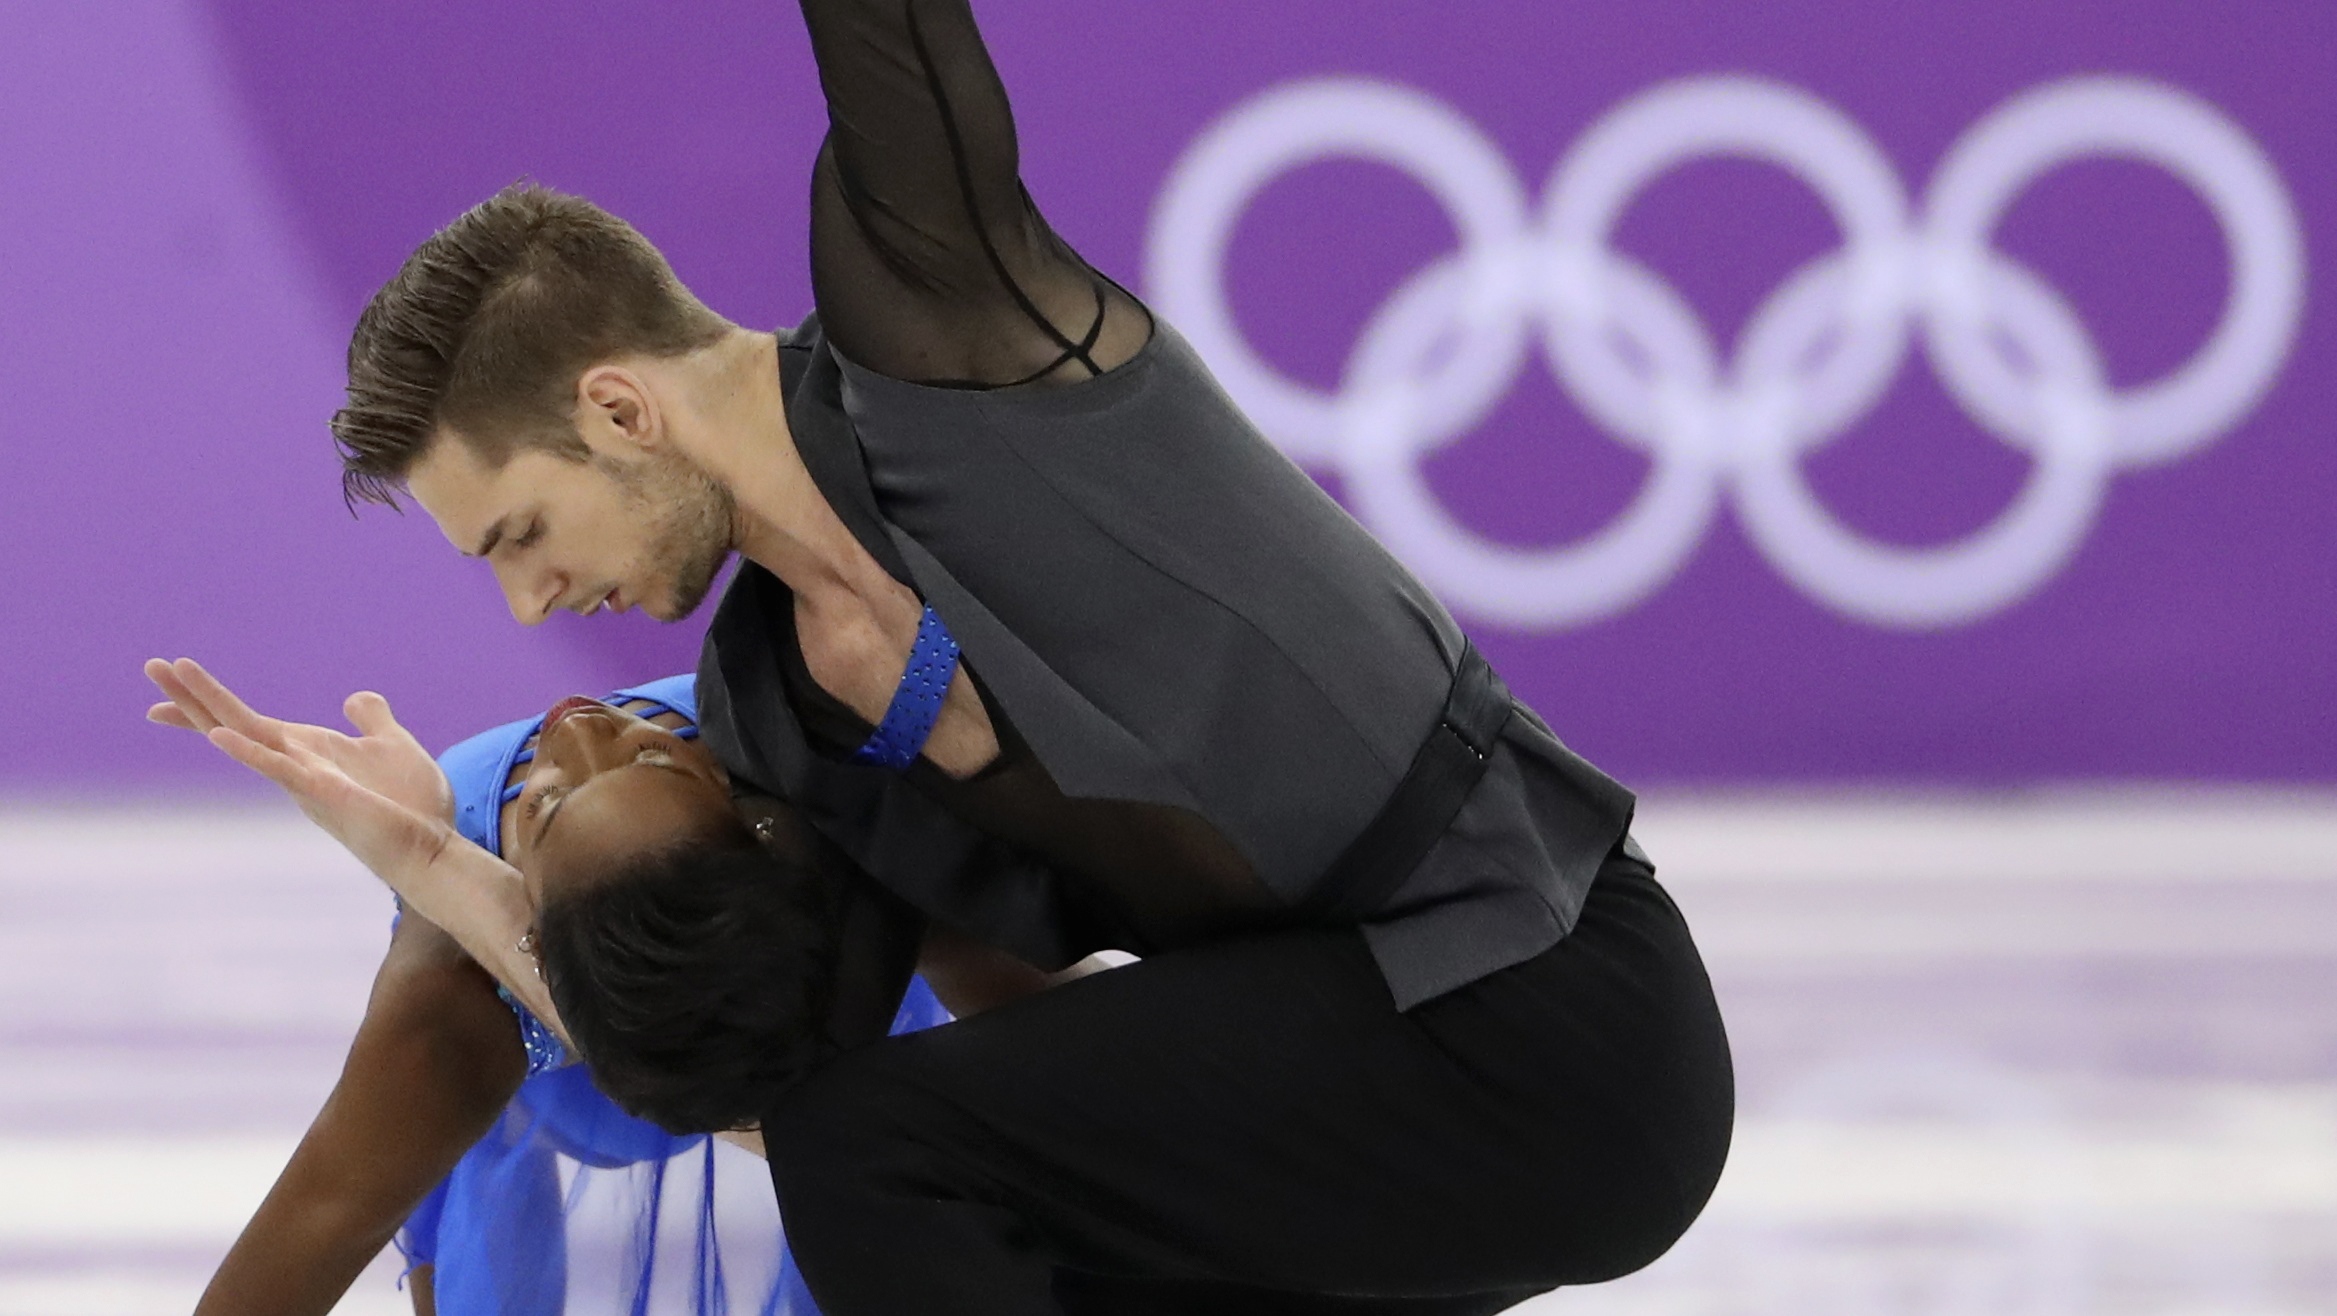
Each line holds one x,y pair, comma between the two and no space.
696,982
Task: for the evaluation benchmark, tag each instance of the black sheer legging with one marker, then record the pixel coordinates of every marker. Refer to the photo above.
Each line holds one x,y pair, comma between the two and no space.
929,261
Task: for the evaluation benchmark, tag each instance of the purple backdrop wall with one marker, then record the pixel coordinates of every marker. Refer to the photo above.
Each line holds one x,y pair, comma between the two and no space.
207,193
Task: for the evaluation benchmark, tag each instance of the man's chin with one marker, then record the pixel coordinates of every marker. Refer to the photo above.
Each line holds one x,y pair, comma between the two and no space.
686,597
673,608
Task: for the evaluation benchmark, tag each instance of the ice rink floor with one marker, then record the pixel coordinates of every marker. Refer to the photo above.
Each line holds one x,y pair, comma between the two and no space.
2020,1056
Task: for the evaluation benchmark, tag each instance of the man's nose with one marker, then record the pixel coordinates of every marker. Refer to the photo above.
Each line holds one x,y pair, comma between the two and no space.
531,594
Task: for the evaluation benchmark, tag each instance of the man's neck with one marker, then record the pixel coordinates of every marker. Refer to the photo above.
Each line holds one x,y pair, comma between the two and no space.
785,524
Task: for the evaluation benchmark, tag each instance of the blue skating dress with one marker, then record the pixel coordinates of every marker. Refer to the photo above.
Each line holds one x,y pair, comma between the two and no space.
569,1206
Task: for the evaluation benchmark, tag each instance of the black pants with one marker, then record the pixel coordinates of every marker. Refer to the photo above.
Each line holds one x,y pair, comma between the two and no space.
1252,1127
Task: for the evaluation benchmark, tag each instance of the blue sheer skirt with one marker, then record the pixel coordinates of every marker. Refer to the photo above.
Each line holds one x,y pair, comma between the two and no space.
570,1207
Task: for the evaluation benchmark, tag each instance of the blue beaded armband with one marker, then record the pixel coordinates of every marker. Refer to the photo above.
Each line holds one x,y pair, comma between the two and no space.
908,724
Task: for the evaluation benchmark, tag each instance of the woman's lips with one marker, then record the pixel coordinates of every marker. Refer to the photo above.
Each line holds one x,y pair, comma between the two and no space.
566,706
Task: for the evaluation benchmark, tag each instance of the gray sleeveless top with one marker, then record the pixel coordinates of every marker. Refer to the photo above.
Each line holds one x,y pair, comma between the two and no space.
1168,613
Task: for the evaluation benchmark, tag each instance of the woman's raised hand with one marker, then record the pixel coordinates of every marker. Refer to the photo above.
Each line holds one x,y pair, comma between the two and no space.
383,757
378,793
381,795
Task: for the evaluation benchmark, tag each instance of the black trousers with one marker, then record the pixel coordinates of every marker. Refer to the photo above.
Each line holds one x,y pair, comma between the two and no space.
1252,1126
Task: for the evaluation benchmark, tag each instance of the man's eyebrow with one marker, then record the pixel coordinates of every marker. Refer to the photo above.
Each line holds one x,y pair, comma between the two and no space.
494,537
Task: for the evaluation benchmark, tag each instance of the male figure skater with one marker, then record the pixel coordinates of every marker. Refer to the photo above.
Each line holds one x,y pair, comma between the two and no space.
1041,632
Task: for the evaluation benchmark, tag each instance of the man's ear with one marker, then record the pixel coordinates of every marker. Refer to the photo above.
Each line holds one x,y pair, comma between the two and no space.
615,410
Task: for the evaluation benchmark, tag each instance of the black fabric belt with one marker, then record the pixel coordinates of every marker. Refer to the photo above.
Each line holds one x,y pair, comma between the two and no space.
1442,774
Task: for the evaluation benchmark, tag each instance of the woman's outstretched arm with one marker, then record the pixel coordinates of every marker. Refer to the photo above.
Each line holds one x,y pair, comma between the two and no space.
929,261
384,798
434,1062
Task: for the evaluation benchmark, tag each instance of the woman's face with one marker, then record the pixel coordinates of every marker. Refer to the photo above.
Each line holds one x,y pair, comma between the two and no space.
607,786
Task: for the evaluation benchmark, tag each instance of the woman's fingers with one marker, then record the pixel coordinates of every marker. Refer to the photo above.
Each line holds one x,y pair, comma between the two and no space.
274,764
322,768
166,679
370,714
200,702
222,703
194,691
390,838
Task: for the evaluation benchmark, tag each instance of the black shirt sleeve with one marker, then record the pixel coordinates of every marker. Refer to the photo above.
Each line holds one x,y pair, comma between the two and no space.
929,262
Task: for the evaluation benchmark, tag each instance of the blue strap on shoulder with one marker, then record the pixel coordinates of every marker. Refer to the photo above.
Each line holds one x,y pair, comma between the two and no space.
543,1047
908,724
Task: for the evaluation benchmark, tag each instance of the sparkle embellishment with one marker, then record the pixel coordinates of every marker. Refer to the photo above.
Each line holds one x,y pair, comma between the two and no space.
916,706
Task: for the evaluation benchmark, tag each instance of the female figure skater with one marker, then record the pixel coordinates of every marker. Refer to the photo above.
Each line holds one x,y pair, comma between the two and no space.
441,1088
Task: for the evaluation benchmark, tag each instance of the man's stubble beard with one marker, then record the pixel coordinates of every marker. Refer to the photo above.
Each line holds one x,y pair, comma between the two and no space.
693,520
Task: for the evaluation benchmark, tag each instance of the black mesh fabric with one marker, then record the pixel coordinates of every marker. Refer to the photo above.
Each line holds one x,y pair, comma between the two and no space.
929,262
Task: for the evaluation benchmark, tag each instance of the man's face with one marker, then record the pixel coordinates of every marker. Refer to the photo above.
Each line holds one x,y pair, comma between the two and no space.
648,530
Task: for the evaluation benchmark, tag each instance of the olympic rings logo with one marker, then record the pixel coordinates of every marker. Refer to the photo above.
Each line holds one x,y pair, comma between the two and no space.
1814,359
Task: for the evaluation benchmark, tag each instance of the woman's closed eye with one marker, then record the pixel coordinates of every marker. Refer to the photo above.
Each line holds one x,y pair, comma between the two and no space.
542,800
536,802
